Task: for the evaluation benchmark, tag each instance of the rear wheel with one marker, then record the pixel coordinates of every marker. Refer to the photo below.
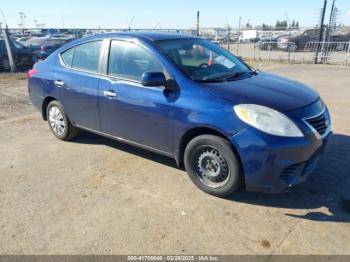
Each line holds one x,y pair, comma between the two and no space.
292,47
59,123
5,64
34,59
212,165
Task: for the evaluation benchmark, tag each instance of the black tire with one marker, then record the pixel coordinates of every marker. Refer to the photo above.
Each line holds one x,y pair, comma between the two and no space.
292,48
70,131
34,60
227,170
5,65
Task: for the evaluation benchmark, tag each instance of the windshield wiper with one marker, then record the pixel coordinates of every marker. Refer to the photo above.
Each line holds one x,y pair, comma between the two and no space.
211,79
237,74
223,78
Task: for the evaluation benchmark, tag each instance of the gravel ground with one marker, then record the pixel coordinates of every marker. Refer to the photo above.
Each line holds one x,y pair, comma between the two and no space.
97,196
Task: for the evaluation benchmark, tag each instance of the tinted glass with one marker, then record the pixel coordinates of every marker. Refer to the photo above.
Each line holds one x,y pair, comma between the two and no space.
67,57
17,45
54,42
86,56
35,41
203,60
130,61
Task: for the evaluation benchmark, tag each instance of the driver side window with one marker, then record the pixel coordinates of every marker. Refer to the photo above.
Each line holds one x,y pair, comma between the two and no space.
129,61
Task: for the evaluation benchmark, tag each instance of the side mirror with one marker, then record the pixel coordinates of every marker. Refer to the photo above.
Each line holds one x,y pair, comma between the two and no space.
154,79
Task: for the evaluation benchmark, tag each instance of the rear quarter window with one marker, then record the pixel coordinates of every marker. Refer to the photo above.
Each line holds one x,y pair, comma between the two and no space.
67,57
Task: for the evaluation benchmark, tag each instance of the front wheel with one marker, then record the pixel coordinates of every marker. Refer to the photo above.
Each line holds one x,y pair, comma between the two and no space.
212,165
59,123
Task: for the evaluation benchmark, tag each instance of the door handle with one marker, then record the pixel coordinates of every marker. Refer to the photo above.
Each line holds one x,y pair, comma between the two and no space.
59,83
110,93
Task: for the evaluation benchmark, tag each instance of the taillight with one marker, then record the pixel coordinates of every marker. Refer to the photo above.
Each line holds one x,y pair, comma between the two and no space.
32,72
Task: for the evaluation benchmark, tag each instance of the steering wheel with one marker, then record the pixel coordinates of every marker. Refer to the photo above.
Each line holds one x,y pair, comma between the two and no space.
204,65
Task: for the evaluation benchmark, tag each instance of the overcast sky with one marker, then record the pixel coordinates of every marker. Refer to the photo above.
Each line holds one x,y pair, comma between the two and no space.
165,14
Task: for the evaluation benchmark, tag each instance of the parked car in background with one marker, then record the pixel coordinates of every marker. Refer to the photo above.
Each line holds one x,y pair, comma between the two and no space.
23,40
23,56
186,98
299,42
267,43
42,46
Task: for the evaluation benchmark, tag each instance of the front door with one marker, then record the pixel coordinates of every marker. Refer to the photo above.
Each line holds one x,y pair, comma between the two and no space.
128,110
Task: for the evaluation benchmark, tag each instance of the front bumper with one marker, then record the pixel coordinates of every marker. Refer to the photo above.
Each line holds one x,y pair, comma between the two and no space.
274,164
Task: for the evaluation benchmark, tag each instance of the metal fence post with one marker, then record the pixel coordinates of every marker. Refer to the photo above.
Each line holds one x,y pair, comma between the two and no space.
270,45
9,50
348,55
254,53
239,36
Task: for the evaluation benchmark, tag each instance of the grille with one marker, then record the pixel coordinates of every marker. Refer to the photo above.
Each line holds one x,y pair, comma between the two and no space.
292,170
320,123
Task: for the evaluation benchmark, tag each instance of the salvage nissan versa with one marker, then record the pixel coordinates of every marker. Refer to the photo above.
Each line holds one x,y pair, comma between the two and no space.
186,98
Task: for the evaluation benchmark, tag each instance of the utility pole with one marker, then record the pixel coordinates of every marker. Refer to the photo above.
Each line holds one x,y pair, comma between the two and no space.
289,35
3,16
239,34
332,20
8,49
7,43
62,19
197,24
228,37
321,30
130,23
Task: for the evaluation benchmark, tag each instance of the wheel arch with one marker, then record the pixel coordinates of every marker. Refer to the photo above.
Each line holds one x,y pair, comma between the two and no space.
44,105
194,132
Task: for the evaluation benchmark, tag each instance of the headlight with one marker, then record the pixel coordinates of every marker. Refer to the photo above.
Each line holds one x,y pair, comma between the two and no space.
267,120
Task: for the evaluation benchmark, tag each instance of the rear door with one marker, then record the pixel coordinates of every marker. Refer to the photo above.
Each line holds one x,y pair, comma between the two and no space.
77,78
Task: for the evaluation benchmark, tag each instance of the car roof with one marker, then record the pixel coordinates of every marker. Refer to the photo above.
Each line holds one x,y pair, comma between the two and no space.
151,36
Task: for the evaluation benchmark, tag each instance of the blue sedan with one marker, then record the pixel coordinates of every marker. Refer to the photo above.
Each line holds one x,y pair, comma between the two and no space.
186,98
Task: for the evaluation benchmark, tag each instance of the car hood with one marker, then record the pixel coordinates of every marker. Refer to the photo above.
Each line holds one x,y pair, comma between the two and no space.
265,89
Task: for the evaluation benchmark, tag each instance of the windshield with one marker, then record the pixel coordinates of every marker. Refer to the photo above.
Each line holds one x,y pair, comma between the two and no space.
203,61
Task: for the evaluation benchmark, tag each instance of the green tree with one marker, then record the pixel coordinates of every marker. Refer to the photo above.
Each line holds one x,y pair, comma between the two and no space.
266,27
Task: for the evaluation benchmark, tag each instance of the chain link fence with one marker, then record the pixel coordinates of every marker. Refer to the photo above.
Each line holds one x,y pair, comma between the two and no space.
336,53
290,45
286,45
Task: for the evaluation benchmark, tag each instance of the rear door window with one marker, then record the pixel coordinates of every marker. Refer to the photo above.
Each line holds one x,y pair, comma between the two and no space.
86,56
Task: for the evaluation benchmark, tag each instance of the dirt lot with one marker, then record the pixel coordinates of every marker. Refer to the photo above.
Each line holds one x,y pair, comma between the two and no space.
96,196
